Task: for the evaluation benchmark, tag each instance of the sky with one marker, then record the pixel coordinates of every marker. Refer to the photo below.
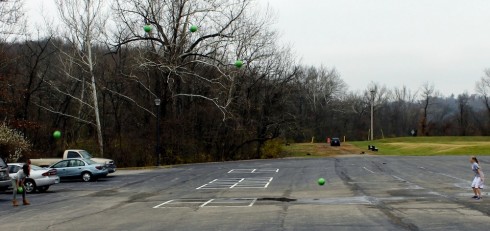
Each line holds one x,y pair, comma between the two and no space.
390,42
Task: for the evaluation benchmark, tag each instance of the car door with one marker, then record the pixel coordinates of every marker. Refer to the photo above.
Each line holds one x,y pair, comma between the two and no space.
75,167
13,169
62,168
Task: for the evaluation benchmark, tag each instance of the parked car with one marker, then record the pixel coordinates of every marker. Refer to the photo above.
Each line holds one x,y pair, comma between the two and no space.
5,181
40,179
76,154
86,169
335,142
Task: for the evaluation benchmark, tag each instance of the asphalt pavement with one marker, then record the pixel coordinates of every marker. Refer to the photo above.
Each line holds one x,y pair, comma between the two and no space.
361,193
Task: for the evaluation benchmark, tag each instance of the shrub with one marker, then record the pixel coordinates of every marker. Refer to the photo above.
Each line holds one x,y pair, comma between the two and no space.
272,149
12,143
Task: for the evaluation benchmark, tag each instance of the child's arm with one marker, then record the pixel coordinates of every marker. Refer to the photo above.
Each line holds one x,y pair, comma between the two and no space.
482,177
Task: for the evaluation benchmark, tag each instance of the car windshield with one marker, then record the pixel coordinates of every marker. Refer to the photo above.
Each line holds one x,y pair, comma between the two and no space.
85,154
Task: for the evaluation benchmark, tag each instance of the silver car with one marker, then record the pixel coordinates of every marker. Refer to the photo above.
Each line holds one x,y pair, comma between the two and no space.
40,179
5,182
85,169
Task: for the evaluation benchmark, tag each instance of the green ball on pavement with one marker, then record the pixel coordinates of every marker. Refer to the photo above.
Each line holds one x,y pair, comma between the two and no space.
57,134
321,181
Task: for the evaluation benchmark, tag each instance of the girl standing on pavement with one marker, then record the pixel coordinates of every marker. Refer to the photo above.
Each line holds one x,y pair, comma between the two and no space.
18,181
477,184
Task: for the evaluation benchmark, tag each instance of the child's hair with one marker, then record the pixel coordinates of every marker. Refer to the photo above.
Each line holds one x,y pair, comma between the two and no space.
475,159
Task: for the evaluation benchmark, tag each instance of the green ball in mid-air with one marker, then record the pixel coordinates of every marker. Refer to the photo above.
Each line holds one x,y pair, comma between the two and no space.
321,181
193,28
238,63
57,134
147,28
20,190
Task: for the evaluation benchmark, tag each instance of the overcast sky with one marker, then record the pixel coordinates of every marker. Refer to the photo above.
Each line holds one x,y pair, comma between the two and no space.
392,42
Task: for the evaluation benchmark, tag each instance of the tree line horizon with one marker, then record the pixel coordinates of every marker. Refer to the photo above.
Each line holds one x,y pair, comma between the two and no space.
99,88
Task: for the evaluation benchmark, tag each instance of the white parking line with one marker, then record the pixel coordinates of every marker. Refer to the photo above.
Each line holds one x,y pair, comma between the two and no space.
237,183
234,183
255,170
207,202
368,170
162,204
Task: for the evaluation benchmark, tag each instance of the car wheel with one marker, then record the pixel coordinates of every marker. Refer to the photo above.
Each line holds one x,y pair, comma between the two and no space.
43,189
30,186
86,176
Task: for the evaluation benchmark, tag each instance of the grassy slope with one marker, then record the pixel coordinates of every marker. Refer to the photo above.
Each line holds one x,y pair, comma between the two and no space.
450,145
318,150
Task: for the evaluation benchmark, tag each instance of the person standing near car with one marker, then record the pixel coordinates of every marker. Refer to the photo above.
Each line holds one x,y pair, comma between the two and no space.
18,181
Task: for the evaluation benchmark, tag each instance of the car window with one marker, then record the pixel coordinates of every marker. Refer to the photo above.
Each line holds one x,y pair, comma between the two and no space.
80,163
14,168
76,163
61,164
85,154
2,163
72,154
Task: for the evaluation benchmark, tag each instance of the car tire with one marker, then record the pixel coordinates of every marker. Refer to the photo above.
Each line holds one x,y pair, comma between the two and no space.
30,186
43,189
87,176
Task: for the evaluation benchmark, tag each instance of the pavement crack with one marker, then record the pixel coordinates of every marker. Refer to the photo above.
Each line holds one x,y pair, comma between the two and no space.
341,172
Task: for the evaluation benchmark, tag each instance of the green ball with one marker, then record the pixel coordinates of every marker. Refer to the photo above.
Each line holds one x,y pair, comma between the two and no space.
238,63
147,28
321,181
193,28
57,134
20,190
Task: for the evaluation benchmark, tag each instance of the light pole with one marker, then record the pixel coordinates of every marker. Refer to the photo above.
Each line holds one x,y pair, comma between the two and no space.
157,149
372,113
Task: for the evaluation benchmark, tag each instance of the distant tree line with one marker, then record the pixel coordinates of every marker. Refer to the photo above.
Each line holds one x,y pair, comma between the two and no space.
96,76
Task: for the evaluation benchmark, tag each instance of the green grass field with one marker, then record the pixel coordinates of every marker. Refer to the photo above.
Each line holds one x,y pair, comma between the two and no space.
449,145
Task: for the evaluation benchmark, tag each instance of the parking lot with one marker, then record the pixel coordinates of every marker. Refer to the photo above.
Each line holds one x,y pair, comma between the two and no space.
361,193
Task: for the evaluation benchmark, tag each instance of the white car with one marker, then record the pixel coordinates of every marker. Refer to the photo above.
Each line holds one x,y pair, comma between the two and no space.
40,178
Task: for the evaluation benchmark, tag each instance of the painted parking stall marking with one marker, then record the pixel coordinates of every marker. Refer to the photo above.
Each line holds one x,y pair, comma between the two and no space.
208,203
255,170
242,183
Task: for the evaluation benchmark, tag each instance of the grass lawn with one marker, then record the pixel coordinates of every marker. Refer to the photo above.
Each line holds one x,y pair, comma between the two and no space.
448,145
318,150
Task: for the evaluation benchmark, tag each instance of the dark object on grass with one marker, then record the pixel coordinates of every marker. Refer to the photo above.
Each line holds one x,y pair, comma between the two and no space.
335,142
372,148
308,154
363,153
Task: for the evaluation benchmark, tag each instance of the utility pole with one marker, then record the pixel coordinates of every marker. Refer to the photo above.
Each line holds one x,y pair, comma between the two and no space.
157,148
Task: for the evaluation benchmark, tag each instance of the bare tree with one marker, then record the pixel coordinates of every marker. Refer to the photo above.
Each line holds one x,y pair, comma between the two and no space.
322,86
11,14
84,23
173,53
483,88
463,113
426,95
